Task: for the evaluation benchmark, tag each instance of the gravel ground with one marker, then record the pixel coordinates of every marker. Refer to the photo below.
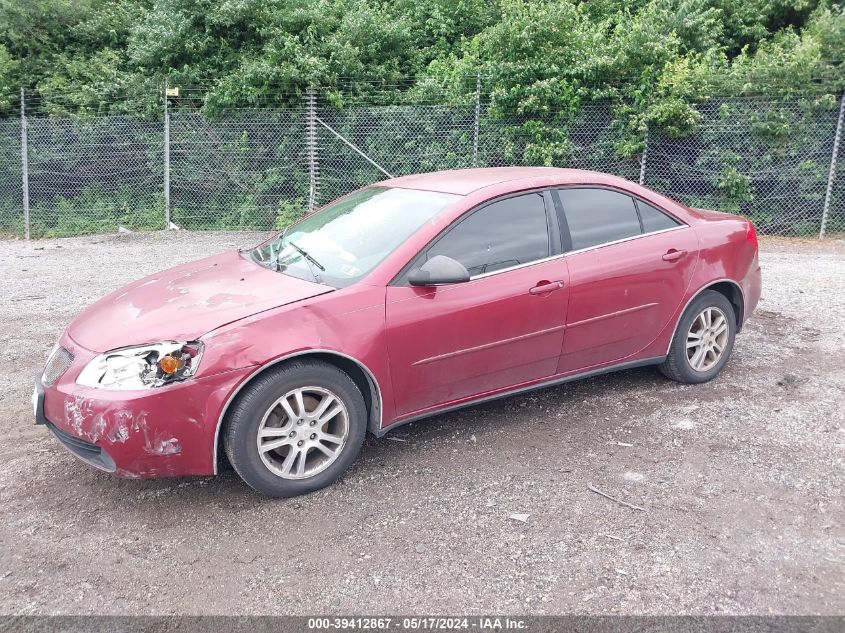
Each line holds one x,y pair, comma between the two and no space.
741,481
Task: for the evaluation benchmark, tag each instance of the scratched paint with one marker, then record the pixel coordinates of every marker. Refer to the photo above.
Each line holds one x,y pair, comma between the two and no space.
116,426
120,430
77,410
98,427
161,446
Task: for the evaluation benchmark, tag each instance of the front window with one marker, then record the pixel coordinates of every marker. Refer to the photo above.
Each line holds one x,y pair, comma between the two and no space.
503,234
347,239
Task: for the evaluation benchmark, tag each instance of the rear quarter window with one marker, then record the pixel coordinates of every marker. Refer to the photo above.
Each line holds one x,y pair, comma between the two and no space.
654,219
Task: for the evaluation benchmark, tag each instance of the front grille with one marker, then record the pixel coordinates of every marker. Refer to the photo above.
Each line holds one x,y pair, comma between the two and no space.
57,364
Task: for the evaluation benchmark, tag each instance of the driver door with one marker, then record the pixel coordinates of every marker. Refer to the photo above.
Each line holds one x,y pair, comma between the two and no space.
502,328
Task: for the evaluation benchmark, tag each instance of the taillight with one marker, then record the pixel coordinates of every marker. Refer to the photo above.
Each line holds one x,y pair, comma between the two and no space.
751,234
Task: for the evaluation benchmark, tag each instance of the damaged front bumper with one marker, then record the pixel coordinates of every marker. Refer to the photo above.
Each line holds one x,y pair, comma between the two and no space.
167,431
89,453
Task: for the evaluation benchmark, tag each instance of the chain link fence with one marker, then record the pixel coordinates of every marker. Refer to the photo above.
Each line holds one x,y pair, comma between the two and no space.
396,139
587,140
835,222
91,176
11,182
768,159
246,170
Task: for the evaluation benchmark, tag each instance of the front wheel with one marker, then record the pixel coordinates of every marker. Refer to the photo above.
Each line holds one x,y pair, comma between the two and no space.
296,428
703,339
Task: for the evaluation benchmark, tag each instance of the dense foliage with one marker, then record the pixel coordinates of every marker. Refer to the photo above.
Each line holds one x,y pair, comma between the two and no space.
551,71
538,56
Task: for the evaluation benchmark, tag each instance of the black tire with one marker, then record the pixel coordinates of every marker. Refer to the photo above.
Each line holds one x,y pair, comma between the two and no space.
677,364
245,415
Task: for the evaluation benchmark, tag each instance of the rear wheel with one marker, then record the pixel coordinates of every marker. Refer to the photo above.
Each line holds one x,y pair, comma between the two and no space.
296,429
703,340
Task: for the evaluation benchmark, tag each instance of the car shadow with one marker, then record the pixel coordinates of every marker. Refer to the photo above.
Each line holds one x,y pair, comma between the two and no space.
574,406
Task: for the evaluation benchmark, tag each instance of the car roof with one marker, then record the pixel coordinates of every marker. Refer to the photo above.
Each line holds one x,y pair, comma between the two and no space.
465,181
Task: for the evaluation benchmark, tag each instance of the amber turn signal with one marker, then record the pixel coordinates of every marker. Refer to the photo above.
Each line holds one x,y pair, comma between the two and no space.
169,364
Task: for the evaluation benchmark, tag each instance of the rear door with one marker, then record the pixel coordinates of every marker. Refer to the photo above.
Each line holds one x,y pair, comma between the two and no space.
502,328
630,265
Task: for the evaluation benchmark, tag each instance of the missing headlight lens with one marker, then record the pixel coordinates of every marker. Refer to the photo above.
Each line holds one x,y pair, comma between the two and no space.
143,367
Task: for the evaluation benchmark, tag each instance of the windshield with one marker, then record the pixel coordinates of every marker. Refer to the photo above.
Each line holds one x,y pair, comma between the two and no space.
347,239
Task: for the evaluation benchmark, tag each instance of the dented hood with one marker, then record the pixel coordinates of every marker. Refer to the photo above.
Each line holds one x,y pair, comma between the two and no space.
185,302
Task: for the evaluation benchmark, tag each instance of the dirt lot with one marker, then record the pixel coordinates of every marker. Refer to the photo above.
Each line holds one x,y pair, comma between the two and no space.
741,479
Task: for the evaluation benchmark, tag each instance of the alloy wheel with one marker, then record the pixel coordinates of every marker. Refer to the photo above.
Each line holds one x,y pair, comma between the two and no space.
707,338
303,432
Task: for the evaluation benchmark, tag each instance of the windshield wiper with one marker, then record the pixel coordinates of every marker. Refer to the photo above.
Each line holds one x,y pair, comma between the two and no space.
309,260
305,254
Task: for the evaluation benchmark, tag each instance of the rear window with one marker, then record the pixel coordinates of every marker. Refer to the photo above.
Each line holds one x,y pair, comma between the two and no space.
598,216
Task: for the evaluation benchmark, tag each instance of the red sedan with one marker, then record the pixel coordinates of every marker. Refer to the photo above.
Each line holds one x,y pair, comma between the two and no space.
402,300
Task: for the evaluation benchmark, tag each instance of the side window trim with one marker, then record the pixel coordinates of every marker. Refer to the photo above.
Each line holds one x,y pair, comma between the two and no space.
554,244
552,223
639,214
566,236
622,240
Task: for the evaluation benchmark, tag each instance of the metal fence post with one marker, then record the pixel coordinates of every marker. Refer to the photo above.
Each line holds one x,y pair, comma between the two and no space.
311,148
477,119
24,166
166,159
643,159
832,175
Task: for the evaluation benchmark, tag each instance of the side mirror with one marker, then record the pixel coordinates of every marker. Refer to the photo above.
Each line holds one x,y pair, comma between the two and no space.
437,271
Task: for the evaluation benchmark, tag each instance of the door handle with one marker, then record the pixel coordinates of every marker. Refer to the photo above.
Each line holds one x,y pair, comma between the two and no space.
673,255
544,288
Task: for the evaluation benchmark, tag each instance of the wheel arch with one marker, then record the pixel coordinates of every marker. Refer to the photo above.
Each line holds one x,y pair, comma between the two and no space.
726,287
733,293
355,369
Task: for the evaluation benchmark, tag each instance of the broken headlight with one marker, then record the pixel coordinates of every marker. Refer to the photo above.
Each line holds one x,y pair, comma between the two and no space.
142,367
